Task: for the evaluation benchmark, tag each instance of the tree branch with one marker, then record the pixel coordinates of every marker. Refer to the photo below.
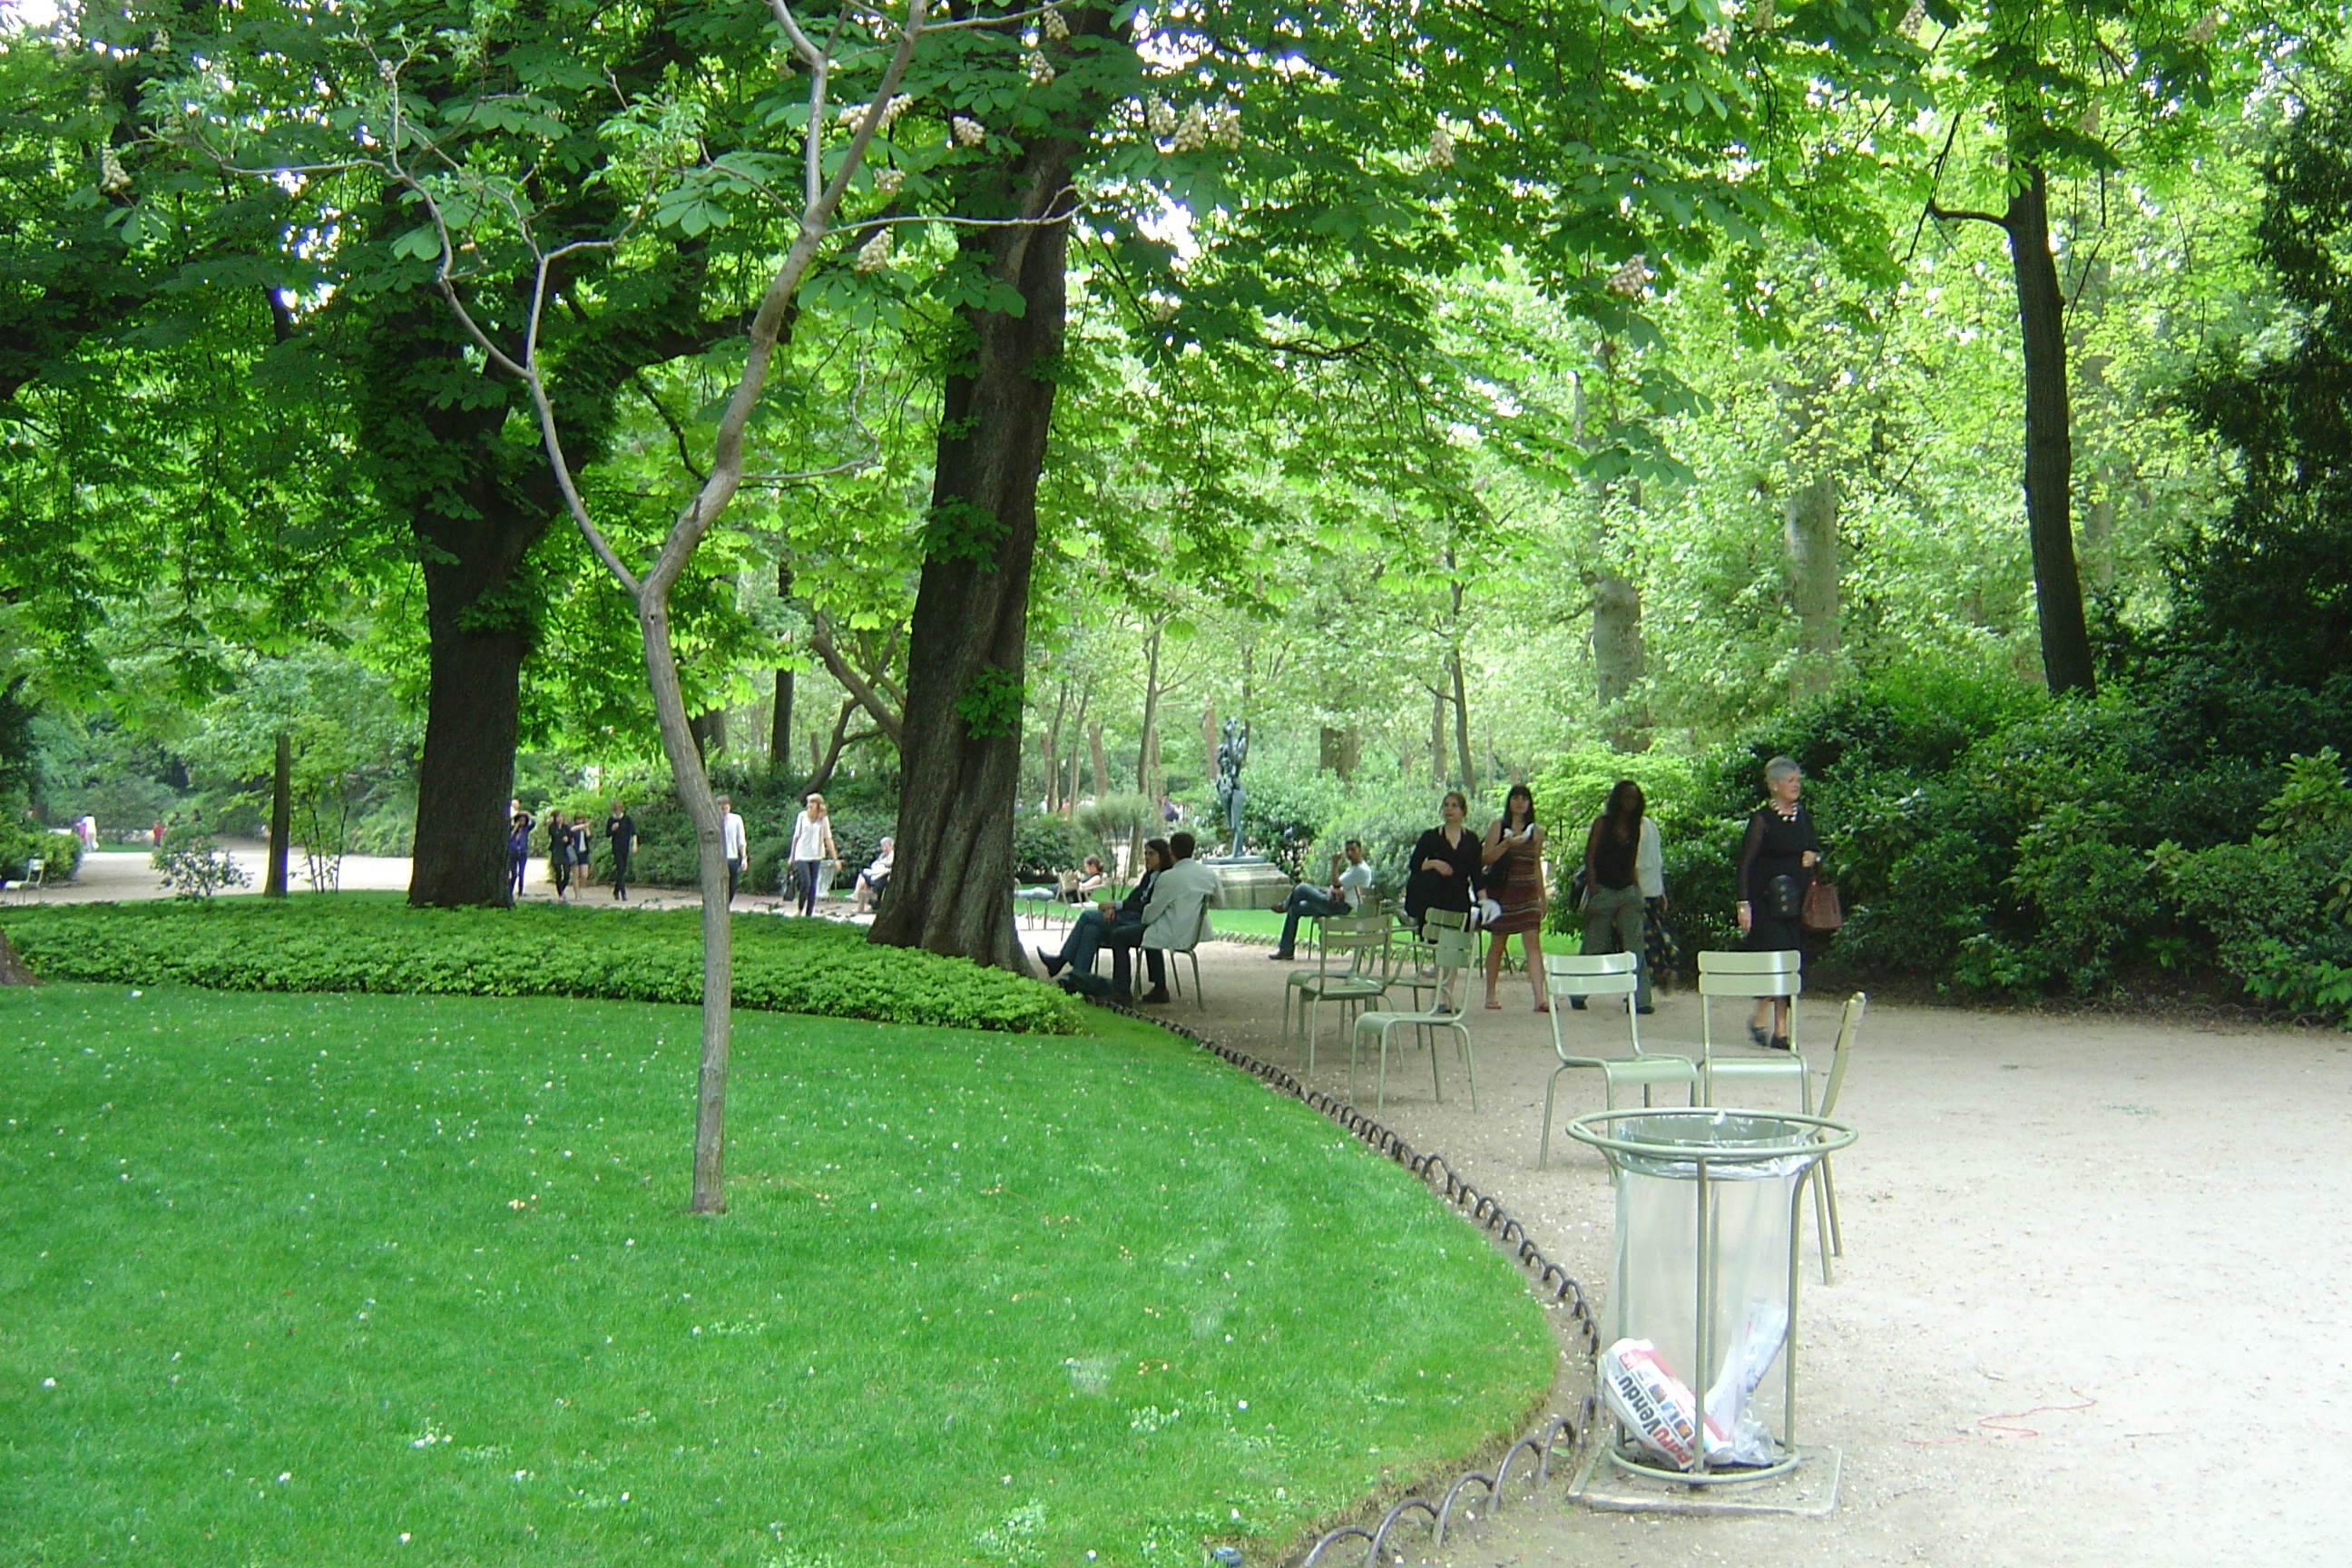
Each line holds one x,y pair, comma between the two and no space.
821,643
1942,213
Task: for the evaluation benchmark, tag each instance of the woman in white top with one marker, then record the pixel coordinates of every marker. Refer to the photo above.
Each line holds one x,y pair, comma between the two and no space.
812,845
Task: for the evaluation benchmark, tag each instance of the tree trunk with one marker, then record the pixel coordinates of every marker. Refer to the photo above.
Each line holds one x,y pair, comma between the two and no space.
780,720
1618,657
968,640
281,816
1437,738
465,778
12,968
1100,759
1809,520
1340,750
2049,441
830,758
1461,724
1146,743
710,731
1209,742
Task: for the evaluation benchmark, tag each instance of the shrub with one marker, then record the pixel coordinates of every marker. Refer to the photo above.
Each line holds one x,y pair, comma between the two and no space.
1043,844
340,943
194,867
1111,820
1283,816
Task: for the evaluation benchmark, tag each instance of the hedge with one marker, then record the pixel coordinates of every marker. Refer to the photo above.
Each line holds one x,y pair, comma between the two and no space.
364,943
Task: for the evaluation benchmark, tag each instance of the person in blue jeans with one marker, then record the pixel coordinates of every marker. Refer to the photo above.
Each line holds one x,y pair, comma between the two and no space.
1351,879
1113,925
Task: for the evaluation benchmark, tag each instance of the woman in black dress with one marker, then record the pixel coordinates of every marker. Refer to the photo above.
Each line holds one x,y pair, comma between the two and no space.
1776,858
1444,863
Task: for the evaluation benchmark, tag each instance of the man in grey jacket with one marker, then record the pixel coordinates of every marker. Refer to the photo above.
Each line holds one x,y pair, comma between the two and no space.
1173,917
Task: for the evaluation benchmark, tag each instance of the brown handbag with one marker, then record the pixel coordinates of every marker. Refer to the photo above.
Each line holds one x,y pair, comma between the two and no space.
1822,911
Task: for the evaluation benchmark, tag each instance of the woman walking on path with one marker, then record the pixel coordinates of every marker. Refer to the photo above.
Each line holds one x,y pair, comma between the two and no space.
1513,854
1621,854
518,853
1776,858
1443,862
812,845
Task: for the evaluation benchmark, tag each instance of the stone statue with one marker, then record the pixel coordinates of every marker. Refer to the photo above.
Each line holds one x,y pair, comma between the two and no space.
1233,751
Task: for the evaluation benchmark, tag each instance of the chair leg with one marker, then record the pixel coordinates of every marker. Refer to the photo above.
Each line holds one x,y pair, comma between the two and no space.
1829,1189
1436,1089
1543,1149
1200,997
1469,1062
1821,1222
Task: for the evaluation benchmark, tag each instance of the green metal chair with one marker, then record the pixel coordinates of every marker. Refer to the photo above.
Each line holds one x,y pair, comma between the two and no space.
1191,950
1750,975
1825,1212
1351,969
1454,955
1576,974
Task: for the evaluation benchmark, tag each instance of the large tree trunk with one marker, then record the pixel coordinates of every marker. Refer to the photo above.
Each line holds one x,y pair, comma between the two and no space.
1099,758
969,637
464,779
2049,440
1437,737
1617,652
1146,744
1809,518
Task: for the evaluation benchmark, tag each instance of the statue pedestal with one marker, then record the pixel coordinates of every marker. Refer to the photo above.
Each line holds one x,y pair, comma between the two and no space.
1249,881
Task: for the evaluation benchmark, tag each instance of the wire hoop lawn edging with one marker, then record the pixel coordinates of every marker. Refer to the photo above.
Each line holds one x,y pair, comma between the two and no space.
1505,1229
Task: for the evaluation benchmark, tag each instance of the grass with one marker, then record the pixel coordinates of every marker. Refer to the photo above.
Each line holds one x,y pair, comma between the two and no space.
323,1279
375,942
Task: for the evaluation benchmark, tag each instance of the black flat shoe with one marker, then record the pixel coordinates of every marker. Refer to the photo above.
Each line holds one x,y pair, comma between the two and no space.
1156,996
1283,957
1781,1043
1645,1012
1577,1003
1755,1033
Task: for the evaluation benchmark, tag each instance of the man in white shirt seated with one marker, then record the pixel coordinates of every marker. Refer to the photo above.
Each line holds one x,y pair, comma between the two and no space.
1172,919
1351,879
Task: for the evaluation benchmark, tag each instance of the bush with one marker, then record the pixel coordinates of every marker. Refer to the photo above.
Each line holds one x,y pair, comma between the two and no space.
194,867
1283,816
1111,820
362,943
59,853
1389,819
1043,844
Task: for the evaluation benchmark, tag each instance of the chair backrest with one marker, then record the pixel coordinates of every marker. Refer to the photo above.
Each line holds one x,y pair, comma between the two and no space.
1849,1025
1448,919
1066,882
1592,974
1356,937
1740,973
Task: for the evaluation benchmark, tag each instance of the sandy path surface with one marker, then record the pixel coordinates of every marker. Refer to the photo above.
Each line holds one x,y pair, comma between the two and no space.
2135,1218
2139,1220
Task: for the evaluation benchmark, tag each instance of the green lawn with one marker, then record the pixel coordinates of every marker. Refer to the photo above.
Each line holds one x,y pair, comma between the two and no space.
316,1279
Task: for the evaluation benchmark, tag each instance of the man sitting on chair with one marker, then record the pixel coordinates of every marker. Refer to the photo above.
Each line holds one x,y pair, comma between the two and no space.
1117,926
1351,879
1173,918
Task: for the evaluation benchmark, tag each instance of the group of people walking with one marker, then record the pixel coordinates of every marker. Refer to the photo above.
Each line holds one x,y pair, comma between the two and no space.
1495,881
569,844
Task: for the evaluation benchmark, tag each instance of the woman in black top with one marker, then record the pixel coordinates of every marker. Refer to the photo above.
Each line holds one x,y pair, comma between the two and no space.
1444,863
1776,858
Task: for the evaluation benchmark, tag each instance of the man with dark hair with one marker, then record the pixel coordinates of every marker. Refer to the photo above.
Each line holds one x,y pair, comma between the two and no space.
621,837
1351,879
1173,920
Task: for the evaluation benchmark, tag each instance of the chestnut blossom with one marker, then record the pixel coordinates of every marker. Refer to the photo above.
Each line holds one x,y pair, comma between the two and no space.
1192,130
1441,147
1628,280
1913,19
1040,69
2200,31
1225,128
1760,17
875,254
967,132
887,181
1053,26
111,175
1158,119
1716,39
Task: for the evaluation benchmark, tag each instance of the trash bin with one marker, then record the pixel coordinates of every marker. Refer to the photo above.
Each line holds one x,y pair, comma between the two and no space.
1703,1290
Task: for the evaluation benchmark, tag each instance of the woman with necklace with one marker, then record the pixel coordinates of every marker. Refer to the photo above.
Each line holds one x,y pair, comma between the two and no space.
1513,851
1776,858
1444,861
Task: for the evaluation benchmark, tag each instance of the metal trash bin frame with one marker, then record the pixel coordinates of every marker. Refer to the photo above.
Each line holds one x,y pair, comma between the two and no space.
1821,1137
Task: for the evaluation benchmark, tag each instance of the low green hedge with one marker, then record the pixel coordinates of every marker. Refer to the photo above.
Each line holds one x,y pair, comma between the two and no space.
373,943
